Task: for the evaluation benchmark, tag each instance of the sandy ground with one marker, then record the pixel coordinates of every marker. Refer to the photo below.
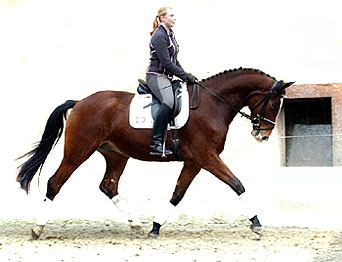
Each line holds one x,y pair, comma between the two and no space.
186,239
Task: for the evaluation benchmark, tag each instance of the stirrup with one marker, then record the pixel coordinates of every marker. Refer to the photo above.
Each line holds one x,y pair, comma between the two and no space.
159,150
163,153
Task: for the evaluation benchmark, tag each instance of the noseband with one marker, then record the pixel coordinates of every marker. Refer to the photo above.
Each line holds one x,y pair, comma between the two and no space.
258,119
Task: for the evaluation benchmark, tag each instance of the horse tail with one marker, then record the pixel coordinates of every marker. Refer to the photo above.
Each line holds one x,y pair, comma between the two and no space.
52,133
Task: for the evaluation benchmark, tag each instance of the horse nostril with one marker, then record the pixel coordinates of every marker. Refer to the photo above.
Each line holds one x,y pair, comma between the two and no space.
265,138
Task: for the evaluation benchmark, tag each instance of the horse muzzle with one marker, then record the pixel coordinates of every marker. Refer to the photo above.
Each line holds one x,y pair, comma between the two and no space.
261,135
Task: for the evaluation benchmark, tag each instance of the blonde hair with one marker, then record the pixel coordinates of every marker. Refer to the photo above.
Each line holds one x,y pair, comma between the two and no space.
161,12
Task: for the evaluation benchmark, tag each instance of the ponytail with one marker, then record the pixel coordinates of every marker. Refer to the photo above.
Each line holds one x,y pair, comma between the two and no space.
161,12
155,25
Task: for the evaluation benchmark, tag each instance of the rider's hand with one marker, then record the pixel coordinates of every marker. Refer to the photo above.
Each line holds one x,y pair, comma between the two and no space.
191,79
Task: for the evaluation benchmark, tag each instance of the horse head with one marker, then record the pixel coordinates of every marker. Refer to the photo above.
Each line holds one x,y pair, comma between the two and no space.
265,106
259,91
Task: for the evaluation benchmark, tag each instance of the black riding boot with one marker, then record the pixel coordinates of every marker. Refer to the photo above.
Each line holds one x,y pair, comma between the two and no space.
158,132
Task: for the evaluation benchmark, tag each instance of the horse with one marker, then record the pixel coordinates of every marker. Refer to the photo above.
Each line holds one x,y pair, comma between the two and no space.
99,122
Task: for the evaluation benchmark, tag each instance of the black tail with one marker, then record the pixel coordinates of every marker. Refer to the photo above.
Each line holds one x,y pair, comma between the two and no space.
52,133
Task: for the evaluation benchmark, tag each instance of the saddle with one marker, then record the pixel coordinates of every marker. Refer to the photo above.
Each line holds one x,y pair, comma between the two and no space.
143,89
144,106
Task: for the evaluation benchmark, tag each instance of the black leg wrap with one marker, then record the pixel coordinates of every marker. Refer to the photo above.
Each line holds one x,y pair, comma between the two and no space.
255,221
256,227
155,230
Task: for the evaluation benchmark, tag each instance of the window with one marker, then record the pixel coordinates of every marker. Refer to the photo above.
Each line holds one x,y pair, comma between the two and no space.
308,132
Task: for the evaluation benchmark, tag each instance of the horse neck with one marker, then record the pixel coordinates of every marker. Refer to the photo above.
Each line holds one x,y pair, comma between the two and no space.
234,89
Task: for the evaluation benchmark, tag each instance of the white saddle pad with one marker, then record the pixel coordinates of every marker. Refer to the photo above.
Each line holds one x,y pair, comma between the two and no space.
140,114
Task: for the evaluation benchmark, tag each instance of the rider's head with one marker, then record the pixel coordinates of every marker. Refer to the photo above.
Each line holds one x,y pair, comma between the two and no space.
165,16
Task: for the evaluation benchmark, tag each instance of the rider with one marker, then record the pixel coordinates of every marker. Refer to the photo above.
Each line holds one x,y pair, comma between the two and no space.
163,65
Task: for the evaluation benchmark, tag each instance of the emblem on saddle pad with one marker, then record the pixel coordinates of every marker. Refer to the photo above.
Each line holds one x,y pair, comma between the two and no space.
144,105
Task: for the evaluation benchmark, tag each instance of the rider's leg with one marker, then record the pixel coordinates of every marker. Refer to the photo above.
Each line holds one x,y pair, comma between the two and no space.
162,89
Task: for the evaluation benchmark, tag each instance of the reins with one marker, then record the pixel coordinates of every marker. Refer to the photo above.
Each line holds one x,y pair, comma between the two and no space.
255,120
222,101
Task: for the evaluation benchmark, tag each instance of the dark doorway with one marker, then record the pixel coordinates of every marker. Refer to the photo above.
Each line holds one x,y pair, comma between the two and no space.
308,132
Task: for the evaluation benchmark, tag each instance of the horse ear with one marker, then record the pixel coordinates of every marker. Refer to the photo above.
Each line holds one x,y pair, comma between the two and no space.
288,84
278,85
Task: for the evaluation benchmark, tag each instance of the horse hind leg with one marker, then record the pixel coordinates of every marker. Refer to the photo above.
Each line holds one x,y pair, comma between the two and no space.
74,156
116,164
45,210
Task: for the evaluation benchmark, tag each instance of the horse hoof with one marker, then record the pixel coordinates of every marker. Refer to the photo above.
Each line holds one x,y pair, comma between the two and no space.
257,230
153,235
36,232
256,226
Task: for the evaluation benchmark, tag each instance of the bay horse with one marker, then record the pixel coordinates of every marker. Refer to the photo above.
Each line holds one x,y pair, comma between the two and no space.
100,123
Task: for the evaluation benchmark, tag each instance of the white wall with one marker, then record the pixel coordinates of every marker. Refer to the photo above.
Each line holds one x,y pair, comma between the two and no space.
51,51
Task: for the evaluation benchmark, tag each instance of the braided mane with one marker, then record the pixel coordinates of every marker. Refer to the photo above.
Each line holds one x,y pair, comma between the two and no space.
236,70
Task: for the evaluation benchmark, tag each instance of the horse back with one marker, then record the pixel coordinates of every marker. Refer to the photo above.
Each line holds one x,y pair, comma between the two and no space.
100,111
103,101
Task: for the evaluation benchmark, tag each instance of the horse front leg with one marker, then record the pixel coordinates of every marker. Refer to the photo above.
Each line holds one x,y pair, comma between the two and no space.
188,173
219,169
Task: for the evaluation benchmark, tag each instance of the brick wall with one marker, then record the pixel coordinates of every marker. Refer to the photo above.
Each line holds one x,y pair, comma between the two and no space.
316,91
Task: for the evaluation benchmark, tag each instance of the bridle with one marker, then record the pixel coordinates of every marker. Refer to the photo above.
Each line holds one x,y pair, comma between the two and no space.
274,91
